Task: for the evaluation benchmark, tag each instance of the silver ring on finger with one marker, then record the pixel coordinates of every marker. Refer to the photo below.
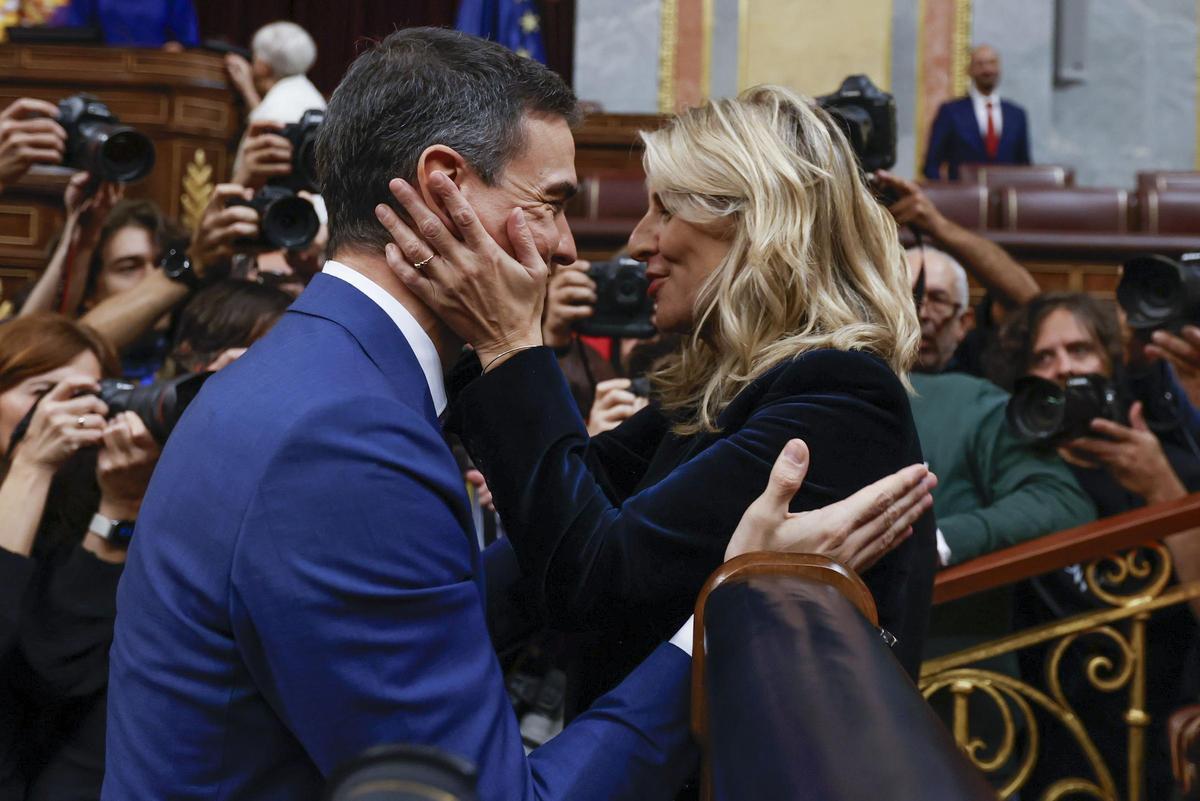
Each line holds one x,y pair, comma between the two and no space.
419,264
82,421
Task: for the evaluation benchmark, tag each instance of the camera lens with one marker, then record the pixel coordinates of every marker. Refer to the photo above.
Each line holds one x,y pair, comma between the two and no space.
1037,409
290,223
1152,292
125,156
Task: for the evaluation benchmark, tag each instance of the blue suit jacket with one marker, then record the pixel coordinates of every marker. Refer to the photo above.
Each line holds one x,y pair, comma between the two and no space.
954,138
304,585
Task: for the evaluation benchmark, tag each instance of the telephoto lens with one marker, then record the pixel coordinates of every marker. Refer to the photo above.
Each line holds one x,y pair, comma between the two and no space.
1159,292
160,405
98,143
1044,413
403,773
286,220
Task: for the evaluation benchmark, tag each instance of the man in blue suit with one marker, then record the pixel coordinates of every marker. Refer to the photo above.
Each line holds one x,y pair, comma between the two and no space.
305,582
980,128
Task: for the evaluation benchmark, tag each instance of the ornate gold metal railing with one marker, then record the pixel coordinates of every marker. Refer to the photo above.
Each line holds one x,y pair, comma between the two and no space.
1109,645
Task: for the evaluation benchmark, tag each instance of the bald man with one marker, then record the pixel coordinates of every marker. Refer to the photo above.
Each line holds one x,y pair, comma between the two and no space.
980,128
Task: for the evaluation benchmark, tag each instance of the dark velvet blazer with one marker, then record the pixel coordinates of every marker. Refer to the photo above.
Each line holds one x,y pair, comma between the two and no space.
618,533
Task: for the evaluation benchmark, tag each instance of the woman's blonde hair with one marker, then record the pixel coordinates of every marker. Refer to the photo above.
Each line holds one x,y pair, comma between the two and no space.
815,261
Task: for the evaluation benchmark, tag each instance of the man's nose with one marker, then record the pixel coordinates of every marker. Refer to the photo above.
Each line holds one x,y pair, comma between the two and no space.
564,251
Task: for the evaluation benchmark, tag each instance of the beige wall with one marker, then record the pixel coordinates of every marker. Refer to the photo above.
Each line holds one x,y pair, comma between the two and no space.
811,45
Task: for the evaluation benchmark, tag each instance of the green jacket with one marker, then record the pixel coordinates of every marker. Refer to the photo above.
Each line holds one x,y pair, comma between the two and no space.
992,491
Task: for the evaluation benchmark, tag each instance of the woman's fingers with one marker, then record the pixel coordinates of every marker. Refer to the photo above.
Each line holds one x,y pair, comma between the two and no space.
460,212
427,225
524,247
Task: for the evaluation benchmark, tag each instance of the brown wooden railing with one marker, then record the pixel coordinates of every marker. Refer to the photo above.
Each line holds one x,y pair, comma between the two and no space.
1080,544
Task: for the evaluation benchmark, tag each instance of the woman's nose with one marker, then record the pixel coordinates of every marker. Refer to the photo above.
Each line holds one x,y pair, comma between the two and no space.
643,242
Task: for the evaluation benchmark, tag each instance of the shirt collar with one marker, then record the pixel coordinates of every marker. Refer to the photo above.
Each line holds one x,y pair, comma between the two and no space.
422,346
980,97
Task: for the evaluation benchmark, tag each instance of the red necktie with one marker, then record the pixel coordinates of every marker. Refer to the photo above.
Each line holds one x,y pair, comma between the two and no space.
991,141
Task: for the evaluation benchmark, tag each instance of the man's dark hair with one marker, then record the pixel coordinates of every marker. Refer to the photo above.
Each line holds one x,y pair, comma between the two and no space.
416,88
1012,356
228,314
143,214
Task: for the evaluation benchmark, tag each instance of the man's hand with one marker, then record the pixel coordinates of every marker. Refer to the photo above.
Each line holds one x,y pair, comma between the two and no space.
857,531
221,227
569,298
29,135
1134,457
614,404
912,206
124,465
265,155
1183,352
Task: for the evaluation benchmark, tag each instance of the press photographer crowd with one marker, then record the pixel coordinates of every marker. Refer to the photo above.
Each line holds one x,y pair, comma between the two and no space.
362,481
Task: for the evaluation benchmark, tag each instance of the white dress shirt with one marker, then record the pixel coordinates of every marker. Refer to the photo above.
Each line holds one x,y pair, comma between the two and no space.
979,101
418,340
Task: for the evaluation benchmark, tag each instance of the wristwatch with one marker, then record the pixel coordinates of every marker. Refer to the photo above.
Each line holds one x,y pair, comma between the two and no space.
177,265
118,532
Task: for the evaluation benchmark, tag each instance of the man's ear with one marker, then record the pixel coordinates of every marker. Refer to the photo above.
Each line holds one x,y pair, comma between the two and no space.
443,159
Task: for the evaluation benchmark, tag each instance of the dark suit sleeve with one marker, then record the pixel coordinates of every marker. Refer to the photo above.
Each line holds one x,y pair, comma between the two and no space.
355,610
1024,156
939,139
595,563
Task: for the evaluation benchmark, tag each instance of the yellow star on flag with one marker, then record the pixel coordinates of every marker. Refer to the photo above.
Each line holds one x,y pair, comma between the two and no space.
522,52
530,22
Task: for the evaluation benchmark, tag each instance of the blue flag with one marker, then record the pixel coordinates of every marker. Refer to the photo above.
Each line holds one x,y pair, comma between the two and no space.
516,24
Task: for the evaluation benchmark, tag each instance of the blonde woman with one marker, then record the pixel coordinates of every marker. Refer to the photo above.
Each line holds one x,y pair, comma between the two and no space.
767,251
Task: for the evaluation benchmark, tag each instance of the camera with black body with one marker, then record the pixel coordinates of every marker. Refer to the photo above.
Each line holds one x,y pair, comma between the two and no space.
1158,292
867,115
286,220
623,308
1040,412
160,405
99,143
303,136
403,773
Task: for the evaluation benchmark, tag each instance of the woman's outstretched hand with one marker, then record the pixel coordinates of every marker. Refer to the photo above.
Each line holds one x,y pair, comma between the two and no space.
856,531
491,299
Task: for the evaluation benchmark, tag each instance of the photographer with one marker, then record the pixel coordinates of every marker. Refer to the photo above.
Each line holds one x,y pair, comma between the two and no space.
274,86
127,315
63,464
1145,458
1007,283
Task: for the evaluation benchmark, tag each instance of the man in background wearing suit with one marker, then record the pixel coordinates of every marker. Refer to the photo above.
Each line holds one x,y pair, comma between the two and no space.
305,581
980,128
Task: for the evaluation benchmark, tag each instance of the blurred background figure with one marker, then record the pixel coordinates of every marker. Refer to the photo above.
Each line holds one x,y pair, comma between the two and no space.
275,85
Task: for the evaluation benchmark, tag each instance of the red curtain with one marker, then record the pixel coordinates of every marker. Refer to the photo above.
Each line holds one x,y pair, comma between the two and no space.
342,28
